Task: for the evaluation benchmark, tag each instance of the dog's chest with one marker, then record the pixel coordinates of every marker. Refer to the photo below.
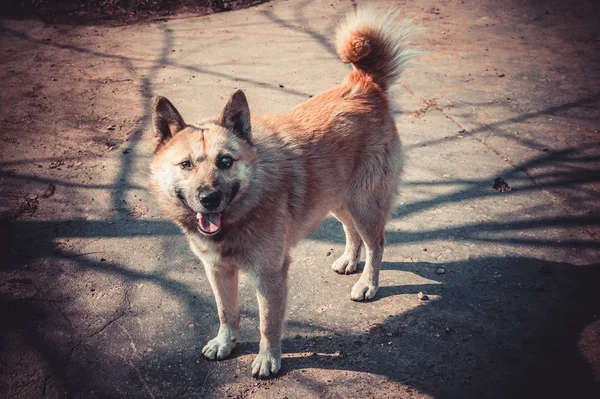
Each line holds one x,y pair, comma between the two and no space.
213,253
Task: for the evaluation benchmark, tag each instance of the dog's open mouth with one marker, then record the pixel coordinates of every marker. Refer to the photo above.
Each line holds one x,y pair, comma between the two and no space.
209,223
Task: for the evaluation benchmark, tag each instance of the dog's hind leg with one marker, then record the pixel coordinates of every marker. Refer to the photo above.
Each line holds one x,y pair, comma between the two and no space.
224,282
348,262
370,217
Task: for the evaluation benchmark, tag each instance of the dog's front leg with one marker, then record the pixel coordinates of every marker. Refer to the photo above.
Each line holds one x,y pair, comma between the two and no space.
271,290
224,282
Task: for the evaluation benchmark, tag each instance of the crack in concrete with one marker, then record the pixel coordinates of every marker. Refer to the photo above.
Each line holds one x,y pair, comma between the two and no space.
110,322
45,386
119,316
554,199
203,386
503,156
129,360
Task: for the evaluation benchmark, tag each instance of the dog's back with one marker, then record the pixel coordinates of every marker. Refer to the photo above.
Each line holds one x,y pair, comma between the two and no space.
343,143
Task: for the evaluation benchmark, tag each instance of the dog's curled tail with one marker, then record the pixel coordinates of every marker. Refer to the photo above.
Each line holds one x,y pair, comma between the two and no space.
375,41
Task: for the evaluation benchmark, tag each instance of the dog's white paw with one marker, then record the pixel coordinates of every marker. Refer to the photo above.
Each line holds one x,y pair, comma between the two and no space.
363,291
345,264
218,348
266,364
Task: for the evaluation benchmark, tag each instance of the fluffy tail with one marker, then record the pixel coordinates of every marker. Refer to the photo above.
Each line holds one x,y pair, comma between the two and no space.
375,42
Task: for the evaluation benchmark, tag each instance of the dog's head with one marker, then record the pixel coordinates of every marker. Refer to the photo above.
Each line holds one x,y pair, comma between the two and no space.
199,172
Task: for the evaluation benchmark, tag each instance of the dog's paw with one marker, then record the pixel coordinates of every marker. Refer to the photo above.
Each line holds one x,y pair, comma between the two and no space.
363,291
345,264
218,348
266,364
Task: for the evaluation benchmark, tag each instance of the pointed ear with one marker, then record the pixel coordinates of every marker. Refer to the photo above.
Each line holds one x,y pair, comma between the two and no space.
166,121
236,116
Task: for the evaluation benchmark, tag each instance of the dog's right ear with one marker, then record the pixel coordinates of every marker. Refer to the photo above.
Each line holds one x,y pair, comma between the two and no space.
166,121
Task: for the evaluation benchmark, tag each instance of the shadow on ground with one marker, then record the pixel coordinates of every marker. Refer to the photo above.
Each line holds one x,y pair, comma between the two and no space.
526,333
529,330
517,337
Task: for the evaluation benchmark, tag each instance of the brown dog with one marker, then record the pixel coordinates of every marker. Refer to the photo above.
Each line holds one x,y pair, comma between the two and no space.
246,189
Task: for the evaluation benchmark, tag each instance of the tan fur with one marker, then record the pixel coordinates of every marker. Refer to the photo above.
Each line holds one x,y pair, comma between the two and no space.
338,152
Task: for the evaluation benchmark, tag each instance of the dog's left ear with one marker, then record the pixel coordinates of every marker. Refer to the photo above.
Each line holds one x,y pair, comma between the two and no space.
236,116
166,121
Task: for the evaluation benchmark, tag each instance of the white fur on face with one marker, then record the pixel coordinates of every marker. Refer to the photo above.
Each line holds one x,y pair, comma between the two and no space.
202,146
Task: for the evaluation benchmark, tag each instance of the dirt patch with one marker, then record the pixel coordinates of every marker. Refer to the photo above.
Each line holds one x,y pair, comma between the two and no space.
114,12
426,105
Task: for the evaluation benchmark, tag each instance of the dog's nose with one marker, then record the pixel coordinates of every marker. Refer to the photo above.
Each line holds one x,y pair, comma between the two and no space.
210,200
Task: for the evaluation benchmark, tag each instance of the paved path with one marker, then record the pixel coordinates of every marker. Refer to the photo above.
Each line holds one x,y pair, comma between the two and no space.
101,297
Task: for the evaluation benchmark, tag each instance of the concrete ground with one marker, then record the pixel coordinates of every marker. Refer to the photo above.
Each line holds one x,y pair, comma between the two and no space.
100,296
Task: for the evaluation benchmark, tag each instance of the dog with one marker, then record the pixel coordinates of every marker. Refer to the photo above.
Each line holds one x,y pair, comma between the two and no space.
245,188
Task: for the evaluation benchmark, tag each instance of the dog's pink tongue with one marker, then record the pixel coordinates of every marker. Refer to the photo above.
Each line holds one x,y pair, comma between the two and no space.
209,222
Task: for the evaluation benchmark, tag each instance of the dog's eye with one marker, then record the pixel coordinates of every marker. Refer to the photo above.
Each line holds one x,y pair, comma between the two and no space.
185,165
224,162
